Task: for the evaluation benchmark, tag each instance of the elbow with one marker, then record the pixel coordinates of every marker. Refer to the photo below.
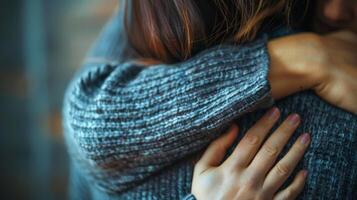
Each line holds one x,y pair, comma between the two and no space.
98,160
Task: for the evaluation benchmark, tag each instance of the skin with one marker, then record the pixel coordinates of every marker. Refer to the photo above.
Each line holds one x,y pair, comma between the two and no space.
250,172
324,63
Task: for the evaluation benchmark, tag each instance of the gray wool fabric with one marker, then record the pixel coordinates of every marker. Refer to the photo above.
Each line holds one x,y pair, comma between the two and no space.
134,132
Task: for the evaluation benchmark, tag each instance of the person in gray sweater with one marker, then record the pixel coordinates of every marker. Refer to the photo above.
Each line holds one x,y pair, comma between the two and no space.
134,131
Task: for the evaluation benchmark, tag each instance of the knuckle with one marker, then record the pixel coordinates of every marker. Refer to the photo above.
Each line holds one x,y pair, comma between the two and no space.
299,147
282,169
250,184
231,168
286,128
251,139
243,191
252,178
247,188
270,150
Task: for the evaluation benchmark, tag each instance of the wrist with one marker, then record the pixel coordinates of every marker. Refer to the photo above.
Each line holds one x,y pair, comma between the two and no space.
294,64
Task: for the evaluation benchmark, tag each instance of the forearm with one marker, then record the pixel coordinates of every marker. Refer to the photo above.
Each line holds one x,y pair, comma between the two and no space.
131,118
288,74
127,118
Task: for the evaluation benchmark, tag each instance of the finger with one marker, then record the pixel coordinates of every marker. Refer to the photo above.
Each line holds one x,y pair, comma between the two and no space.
268,153
294,189
216,151
250,143
282,170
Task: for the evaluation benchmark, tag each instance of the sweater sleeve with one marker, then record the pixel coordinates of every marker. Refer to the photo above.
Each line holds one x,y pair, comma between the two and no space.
125,122
189,197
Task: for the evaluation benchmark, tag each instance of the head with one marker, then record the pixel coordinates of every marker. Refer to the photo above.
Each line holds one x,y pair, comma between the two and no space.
173,30
336,14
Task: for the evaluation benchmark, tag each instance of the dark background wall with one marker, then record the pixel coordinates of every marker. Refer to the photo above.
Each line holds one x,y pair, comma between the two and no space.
42,44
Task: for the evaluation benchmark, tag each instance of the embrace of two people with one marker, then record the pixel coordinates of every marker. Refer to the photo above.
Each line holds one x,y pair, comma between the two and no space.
154,111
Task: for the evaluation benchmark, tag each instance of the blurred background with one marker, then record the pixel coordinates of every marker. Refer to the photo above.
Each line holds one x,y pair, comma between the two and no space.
42,45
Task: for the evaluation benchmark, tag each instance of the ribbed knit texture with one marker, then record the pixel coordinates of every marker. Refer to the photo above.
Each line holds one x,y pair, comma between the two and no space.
134,132
127,122
189,197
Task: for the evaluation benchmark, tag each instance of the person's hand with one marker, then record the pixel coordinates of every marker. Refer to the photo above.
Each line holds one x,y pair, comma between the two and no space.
250,172
326,64
339,83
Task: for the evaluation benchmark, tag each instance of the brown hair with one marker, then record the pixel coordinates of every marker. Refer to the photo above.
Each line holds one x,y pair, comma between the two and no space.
172,30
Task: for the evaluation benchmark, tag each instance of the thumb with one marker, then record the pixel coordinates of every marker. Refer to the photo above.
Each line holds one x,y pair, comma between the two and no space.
216,151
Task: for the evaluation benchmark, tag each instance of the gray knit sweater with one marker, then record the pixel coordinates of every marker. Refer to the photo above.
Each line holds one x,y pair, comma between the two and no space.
133,132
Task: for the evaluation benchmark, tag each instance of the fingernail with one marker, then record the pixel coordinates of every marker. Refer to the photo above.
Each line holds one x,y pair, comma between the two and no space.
293,119
273,113
305,138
